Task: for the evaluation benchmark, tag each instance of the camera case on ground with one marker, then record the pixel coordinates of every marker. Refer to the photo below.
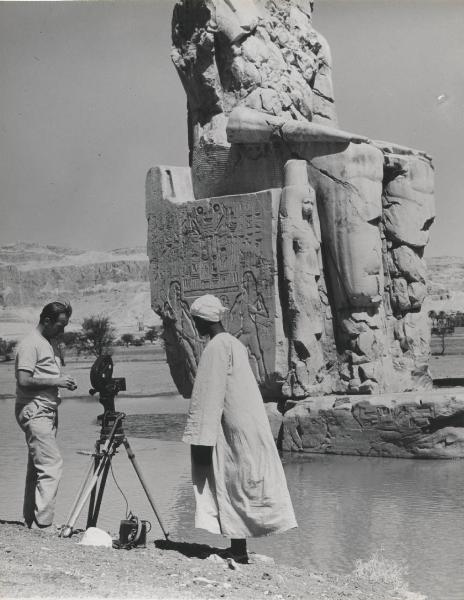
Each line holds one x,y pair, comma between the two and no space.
132,533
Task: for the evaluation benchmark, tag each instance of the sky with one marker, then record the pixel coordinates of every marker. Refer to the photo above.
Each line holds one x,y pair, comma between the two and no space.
90,100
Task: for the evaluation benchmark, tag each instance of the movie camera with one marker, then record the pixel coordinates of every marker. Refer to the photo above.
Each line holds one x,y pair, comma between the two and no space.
111,437
107,387
103,382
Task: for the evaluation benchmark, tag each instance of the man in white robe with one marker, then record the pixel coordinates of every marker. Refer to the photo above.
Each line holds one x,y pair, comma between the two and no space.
238,479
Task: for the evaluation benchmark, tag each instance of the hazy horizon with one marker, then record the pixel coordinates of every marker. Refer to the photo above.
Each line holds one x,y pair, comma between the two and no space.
91,101
143,246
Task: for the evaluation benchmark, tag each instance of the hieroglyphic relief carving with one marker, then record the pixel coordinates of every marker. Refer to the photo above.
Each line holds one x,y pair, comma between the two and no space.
210,243
225,247
182,347
250,314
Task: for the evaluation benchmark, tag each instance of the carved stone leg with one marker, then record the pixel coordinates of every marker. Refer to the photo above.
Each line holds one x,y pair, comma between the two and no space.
300,244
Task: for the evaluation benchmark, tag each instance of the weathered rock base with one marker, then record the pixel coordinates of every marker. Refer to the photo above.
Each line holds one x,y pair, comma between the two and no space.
428,424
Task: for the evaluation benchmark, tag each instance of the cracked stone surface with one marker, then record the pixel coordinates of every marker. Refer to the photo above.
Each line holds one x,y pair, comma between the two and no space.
311,235
407,425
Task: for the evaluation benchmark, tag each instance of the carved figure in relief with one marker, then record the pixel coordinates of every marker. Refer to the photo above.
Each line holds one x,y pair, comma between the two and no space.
181,312
300,241
226,317
181,340
247,309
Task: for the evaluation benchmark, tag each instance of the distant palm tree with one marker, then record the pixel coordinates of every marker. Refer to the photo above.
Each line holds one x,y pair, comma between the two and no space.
127,338
444,325
98,335
151,334
6,348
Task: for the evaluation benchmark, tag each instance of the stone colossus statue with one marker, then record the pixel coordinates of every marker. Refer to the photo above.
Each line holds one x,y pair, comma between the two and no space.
313,236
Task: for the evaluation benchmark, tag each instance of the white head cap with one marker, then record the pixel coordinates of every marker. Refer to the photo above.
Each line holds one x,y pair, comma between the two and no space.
209,308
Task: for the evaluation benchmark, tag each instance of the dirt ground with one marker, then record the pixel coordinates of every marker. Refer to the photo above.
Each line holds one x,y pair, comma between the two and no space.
36,563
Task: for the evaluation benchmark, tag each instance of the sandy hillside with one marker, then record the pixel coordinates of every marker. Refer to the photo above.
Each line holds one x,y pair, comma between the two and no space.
113,283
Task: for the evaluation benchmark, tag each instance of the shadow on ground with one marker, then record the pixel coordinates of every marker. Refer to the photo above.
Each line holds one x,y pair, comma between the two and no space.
188,549
6,522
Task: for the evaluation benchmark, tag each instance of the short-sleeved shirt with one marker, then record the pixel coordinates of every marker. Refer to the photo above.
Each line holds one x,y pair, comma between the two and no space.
35,354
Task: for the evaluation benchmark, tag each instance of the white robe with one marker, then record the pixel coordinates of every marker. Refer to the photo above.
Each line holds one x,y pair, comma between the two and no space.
244,493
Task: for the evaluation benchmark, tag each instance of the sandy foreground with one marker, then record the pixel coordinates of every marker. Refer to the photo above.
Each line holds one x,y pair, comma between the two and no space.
35,563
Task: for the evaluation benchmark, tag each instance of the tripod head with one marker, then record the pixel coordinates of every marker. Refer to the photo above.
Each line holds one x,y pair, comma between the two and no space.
103,382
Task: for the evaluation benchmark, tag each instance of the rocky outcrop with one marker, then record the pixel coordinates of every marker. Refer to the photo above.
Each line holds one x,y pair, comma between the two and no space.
414,425
112,283
21,286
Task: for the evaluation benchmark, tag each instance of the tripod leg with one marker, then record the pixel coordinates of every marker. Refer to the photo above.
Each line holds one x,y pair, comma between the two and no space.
104,456
81,489
97,459
67,529
131,455
95,506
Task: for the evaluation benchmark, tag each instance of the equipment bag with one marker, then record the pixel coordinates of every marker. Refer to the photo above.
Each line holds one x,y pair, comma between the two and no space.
132,533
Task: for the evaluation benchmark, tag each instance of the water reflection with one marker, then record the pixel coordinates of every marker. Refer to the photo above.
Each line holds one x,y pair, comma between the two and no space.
162,426
347,507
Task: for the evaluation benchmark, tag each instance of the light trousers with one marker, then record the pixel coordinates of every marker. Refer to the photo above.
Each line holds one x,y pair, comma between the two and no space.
44,465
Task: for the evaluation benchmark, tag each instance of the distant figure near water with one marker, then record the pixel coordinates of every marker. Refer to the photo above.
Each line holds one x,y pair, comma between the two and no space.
38,379
238,478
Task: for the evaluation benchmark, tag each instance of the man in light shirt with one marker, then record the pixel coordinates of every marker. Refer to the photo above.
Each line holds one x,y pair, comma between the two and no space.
38,379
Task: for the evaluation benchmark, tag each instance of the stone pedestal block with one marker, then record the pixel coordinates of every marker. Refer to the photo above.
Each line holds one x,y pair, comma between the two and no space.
225,246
